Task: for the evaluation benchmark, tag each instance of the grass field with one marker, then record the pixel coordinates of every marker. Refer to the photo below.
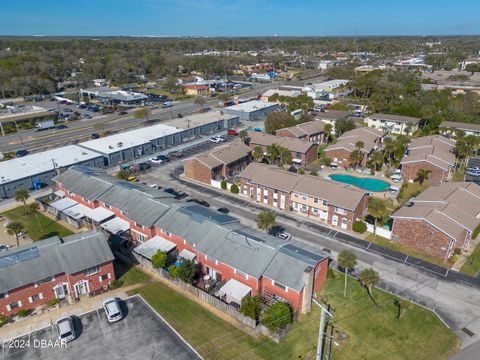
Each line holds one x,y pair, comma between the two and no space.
127,274
411,190
37,230
418,335
472,265
380,240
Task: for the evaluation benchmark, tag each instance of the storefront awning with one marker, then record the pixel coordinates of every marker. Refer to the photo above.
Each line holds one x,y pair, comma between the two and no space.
187,255
150,247
116,226
234,291
63,204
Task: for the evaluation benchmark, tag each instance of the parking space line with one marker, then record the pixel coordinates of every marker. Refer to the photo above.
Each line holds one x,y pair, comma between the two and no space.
100,322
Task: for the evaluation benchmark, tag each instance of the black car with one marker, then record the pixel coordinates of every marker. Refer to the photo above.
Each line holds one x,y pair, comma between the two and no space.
181,195
67,110
61,126
223,210
20,153
179,116
200,202
95,136
163,158
170,191
144,166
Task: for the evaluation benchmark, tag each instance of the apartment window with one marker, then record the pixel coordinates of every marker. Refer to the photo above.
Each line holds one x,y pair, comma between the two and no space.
316,200
295,195
315,211
91,270
277,284
325,202
140,237
340,211
104,277
298,156
14,305
43,281
3,295
139,225
35,297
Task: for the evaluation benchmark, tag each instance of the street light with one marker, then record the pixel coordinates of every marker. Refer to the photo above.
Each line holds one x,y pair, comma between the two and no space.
321,328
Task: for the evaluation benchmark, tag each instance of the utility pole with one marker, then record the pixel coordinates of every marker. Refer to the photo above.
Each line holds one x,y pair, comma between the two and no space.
321,330
19,134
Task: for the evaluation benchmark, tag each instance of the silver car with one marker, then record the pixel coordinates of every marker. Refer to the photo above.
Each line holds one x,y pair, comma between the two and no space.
66,330
112,309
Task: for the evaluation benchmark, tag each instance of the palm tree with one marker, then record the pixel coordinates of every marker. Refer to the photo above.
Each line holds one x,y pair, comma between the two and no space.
327,130
243,134
257,153
266,220
347,260
377,160
356,156
285,156
33,210
273,152
359,145
15,228
370,278
22,195
422,175
377,209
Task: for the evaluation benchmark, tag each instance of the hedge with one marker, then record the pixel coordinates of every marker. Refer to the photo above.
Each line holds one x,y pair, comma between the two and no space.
234,189
359,226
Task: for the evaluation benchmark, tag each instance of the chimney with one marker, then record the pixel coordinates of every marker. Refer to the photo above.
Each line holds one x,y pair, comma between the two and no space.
308,278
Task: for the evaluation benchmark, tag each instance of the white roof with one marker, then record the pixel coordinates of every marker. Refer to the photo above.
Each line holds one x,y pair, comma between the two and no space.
39,163
150,247
60,193
99,214
116,226
77,211
330,84
235,289
113,143
291,93
187,255
63,204
251,106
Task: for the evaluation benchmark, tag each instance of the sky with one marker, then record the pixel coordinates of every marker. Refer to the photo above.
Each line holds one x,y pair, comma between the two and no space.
239,17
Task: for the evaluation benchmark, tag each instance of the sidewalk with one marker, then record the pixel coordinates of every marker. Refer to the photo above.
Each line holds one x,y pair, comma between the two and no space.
462,258
85,305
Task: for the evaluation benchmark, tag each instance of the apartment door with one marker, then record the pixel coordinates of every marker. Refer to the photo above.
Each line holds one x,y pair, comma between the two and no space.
335,220
323,215
61,290
344,223
81,288
282,201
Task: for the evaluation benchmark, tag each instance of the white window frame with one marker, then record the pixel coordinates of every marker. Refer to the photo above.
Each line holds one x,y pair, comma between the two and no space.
88,271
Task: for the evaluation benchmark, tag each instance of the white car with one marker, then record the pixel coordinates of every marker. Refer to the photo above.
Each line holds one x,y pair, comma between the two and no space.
285,236
66,330
156,160
112,310
215,140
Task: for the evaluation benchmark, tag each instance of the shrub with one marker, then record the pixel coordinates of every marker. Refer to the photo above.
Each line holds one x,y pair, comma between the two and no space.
187,271
159,259
234,189
476,232
53,302
277,316
3,320
115,284
251,307
313,173
292,169
330,273
223,185
23,313
453,259
301,171
457,251
174,271
359,226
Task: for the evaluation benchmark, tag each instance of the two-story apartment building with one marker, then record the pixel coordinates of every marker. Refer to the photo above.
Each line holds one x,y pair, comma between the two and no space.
394,124
221,163
439,220
331,116
328,201
54,268
433,153
303,152
340,152
449,127
309,131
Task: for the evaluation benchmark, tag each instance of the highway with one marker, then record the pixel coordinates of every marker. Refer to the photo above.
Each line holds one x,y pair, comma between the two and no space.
81,130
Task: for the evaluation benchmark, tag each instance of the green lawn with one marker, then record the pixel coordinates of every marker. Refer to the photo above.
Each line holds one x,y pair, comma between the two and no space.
472,265
127,274
410,190
459,175
375,333
419,333
380,240
37,230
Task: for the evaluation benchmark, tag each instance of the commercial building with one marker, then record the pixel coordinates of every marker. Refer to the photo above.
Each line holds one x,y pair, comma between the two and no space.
251,110
439,220
195,90
288,93
238,257
303,152
221,163
311,131
395,124
331,202
115,97
449,128
432,153
37,170
340,152
68,268
328,90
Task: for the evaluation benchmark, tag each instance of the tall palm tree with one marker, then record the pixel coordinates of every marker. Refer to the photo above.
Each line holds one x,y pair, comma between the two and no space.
356,156
266,220
243,134
22,195
33,210
377,160
257,153
347,260
377,209
273,152
370,278
285,156
15,228
422,175
328,130
359,145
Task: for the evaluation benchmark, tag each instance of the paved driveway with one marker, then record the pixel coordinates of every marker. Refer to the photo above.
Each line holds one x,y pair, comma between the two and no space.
140,335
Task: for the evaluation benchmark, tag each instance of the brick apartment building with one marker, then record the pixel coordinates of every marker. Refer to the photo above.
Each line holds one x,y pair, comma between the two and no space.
226,250
311,131
219,164
334,203
303,152
74,266
433,153
440,219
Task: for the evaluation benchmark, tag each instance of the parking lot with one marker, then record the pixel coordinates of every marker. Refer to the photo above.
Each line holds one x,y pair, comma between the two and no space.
141,334
473,163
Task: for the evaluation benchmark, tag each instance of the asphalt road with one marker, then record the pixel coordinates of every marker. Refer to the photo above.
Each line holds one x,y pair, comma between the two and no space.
80,130
140,335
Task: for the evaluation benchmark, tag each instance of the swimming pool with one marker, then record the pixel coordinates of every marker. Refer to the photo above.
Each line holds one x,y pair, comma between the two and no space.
363,183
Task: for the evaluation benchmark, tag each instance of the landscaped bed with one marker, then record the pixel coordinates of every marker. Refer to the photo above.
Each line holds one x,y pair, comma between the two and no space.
372,333
39,229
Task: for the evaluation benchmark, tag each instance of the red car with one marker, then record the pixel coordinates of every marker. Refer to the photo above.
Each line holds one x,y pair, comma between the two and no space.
232,132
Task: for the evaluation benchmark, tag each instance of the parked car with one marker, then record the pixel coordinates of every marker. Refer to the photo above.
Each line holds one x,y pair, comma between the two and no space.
155,186
180,116
171,191
132,178
77,113
21,152
215,140
284,236
232,132
66,330
68,110
61,126
87,116
223,210
200,202
4,248
123,113
327,250
112,310
181,195
95,136
159,159
82,106
144,166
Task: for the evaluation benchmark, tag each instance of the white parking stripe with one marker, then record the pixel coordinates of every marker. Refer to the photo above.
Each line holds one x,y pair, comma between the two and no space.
100,321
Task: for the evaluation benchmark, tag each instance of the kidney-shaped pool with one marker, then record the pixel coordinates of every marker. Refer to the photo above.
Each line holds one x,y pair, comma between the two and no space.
363,183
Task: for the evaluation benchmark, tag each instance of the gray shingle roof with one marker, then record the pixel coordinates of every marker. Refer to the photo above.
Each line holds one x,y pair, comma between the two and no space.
30,263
